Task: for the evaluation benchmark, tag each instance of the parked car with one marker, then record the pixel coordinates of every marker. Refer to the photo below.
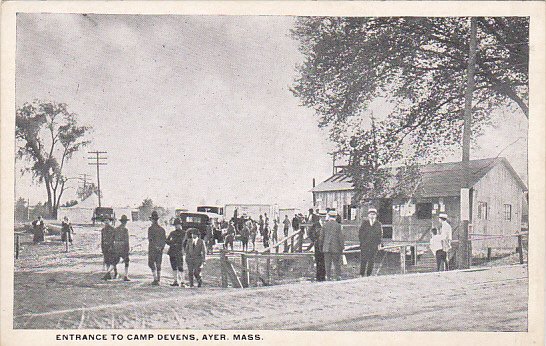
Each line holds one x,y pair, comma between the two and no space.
101,213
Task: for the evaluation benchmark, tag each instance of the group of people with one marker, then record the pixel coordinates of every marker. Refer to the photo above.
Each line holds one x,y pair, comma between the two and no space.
183,245
328,240
39,230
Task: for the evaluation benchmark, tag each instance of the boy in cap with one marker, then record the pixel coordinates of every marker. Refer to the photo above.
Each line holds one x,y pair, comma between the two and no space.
66,230
176,251
370,235
195,257
107,247
156,244
120,248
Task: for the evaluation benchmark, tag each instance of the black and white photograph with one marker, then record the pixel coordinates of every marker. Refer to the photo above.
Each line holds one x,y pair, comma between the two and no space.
270,173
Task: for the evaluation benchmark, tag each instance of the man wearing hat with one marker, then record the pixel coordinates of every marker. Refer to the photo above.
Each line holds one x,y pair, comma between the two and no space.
156,244
447,235
107,247
120,248
332,245
370,235
195,257
175,240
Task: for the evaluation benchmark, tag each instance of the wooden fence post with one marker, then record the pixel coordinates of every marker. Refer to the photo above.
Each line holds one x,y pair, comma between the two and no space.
292,244
413,252
268,268
520,248
245,280
488,254
300,240
223,268
278,262
403,259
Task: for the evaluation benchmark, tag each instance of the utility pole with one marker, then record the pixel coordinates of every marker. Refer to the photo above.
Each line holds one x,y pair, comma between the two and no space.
465,245
98,162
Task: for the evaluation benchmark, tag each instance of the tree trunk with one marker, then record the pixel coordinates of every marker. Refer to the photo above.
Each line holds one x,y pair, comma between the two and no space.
49,197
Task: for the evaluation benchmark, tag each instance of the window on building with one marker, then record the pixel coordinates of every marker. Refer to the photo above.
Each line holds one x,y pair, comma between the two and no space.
349,212
482,211
508,212
424,211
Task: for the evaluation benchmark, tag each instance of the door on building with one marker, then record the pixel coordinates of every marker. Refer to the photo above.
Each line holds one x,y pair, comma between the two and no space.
384,211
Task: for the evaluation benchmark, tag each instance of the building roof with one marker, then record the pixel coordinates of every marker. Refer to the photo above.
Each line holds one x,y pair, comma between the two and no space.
437,180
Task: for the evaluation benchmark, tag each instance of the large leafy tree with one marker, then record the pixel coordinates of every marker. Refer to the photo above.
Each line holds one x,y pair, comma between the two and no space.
416,66
47,136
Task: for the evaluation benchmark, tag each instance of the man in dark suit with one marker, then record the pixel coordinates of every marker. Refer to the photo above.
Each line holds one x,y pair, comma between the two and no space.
332,245
370,235
195,257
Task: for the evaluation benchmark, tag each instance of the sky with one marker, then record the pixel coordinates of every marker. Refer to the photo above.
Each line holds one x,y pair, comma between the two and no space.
191,109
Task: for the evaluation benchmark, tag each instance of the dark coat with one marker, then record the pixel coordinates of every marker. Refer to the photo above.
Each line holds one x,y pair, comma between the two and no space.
107,239
176,242
195,254
332,237
121,240
156,238
370,235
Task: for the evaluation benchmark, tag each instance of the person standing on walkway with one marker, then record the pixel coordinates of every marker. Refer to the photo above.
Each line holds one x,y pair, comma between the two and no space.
333,244
319,253
195,257
437,248
107,247
120,248
370,235
230,236
447,235
156,244
175,240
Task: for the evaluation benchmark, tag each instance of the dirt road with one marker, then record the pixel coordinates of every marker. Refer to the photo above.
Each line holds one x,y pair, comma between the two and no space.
54,290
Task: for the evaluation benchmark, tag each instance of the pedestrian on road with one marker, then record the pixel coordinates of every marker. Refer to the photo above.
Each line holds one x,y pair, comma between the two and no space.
261,224
333,244
275,232
265,236
38,230
120,248
370,235
436,246
66,230
319,254
230,236
195,257
175,240
245,235
447,235
209,236
107,248
156,244
253,233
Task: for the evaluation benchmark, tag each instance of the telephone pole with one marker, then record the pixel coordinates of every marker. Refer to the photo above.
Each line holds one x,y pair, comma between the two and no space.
98,161
465,245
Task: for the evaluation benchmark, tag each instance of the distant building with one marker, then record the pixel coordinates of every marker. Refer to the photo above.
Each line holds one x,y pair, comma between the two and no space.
497,198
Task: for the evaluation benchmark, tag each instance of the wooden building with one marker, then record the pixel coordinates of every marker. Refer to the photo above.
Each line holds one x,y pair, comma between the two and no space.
496,203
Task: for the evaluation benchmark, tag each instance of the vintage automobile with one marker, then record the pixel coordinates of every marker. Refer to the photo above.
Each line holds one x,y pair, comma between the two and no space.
101,213
197,220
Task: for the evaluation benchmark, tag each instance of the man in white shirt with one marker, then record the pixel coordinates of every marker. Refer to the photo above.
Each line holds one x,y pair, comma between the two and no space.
446,232
436,246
